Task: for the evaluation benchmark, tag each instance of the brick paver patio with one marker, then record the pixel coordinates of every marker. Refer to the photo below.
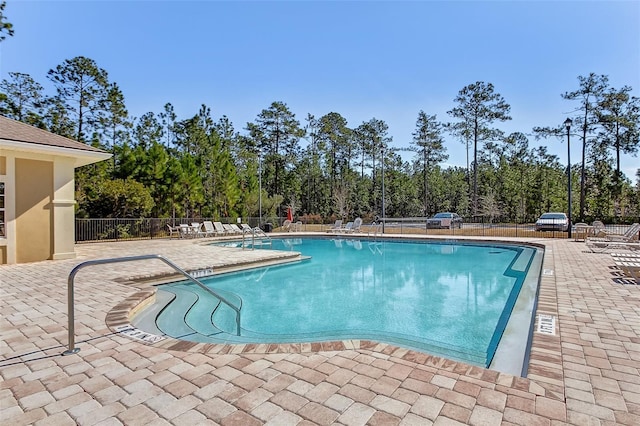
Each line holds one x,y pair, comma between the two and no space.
587,374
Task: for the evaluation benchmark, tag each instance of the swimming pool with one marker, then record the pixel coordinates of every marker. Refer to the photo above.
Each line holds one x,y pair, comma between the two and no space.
448,298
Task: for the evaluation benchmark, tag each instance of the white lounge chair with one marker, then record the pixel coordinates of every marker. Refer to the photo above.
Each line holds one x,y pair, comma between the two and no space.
236,229
286,225
209,230
230,230
336,226
219,228
629,235
347,228
357,224
628,240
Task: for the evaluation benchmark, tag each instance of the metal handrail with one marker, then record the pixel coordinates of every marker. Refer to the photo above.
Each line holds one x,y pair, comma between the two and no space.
377,228
253,232
70,290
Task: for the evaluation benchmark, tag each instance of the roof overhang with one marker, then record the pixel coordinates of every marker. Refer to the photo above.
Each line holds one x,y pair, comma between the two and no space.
81,157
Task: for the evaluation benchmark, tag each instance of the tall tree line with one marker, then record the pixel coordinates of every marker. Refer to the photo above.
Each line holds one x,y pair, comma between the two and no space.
199,166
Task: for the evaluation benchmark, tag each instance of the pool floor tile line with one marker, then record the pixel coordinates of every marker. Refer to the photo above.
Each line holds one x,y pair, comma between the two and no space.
587,373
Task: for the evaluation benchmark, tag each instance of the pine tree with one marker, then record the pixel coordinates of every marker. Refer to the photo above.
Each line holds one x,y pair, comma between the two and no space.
478,107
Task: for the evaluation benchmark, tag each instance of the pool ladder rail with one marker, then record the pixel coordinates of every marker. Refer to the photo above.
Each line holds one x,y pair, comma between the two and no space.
263,238
375,230
70,290
375,246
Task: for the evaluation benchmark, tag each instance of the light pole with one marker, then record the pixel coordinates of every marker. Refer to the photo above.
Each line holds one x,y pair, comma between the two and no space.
382,161
567,124
260,189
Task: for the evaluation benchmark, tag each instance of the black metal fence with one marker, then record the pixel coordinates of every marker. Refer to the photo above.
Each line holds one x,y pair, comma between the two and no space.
114,229
88,230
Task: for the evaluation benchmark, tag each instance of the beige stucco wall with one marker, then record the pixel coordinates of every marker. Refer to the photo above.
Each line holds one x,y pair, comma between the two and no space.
33,210
39,192
39,207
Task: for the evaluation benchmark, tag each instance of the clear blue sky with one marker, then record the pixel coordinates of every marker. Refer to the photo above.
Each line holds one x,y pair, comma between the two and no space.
387,60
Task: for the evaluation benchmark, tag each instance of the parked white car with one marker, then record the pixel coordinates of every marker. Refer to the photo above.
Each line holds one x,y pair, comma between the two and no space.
553,221
445,220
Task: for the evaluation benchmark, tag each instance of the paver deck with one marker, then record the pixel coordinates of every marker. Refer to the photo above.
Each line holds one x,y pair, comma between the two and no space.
588,373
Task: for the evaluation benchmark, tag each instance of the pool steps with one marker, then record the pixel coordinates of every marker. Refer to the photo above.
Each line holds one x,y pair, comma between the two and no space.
146,320
167,321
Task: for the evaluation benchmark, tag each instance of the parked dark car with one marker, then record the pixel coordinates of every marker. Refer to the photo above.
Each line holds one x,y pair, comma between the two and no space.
445,220
553,221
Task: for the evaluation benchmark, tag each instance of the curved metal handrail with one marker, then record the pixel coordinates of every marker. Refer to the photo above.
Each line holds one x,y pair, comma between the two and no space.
253,232
70,290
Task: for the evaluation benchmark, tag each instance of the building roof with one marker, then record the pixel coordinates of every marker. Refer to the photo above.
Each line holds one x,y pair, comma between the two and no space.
20,132
19,136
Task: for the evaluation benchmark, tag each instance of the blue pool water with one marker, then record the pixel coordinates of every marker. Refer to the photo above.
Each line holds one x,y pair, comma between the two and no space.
451,299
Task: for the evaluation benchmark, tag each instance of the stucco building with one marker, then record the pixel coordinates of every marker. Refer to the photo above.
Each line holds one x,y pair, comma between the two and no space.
37,194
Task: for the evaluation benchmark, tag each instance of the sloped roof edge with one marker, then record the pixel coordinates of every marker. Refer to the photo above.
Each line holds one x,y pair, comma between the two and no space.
18,136
17,131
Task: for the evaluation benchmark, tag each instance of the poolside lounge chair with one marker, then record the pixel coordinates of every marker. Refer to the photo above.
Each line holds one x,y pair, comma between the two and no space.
628,240
347,228
209,230
629,235
297,227
230,230
236,228
336,226
357,224
219,228
286,225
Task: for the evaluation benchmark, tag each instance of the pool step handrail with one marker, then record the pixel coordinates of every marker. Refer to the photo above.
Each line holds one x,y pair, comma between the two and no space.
70,290
255,232
377,229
